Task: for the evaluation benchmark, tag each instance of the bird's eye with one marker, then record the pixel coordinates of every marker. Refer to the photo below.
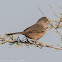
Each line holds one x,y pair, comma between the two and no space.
42,30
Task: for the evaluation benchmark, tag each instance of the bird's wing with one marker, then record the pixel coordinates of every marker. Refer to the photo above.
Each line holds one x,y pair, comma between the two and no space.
35,29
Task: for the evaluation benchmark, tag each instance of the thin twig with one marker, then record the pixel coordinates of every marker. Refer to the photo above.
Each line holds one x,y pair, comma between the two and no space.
42,12
52,9
53,47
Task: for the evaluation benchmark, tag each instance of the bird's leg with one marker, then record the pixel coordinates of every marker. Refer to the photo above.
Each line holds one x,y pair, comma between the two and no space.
27,40
39,43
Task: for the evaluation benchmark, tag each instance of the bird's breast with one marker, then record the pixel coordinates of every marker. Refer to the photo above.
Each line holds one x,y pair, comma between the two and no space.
36,35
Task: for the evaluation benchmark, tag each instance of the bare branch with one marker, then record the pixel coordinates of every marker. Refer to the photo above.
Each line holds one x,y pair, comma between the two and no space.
26,42
42,12
52,9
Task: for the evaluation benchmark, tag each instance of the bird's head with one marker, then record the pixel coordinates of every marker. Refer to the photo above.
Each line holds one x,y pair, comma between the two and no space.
43,21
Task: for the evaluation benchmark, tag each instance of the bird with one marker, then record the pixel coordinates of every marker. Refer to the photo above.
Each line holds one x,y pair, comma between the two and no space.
36,31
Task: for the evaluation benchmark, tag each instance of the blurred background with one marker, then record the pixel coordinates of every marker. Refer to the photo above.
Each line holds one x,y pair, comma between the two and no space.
15,16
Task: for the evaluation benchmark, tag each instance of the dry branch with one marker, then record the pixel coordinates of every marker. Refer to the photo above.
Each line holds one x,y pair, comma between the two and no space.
12,40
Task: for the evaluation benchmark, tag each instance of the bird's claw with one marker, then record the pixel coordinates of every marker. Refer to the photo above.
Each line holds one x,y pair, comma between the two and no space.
41,44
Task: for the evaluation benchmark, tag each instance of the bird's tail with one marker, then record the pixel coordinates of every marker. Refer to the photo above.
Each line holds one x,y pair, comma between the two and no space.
15,33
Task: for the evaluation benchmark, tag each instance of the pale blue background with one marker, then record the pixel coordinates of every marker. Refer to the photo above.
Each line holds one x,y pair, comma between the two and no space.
16,15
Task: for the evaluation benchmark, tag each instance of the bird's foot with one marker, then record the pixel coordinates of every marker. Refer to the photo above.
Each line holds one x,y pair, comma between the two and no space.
39,43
